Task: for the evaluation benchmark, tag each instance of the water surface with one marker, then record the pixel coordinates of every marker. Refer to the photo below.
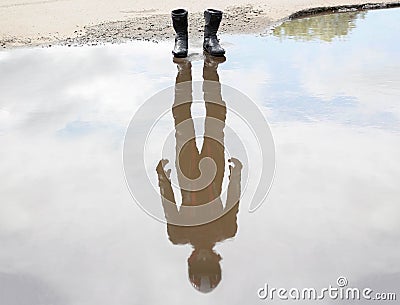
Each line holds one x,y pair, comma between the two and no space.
71,233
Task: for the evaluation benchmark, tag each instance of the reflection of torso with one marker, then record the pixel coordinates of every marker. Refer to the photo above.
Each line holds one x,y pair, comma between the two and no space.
223,227
189,165
218,230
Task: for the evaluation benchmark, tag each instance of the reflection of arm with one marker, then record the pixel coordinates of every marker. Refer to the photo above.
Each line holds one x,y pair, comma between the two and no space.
176,234
233,199
167,194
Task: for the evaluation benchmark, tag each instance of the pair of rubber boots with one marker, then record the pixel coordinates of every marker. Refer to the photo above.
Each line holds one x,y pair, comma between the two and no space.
211,44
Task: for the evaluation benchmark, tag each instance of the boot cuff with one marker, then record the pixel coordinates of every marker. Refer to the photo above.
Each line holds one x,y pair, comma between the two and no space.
213,12
180,12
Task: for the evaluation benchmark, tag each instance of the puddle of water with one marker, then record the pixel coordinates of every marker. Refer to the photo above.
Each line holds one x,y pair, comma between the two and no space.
68,222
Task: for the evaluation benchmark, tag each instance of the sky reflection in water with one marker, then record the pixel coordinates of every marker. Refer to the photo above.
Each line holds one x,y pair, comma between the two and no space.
71,234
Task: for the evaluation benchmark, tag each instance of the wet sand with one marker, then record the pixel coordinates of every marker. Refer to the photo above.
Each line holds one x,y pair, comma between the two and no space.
90,22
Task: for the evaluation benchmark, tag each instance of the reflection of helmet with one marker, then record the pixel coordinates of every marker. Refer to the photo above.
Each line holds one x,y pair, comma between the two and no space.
204,270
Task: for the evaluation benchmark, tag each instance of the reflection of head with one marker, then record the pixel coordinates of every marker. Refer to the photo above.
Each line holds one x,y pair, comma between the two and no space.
204,270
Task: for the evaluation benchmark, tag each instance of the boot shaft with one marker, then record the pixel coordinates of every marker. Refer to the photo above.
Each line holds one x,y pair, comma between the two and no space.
212,20
180,21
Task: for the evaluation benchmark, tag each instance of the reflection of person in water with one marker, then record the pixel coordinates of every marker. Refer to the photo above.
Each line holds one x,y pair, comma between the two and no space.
204,262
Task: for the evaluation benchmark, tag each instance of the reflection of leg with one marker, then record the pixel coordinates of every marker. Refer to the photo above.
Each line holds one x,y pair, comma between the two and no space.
183,91
212,90
213,145
215,106
184,70
210,67
187,155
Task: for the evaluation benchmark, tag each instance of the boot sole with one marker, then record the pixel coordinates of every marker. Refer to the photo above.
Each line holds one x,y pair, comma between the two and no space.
179,55
214,54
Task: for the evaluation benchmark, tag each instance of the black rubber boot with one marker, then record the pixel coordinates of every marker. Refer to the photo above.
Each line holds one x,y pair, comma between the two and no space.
180,24
211,43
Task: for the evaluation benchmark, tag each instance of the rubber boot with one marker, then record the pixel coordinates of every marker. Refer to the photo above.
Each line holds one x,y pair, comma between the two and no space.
211,44
180,24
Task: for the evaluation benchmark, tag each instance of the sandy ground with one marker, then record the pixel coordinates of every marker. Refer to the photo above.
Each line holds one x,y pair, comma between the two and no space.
75,22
